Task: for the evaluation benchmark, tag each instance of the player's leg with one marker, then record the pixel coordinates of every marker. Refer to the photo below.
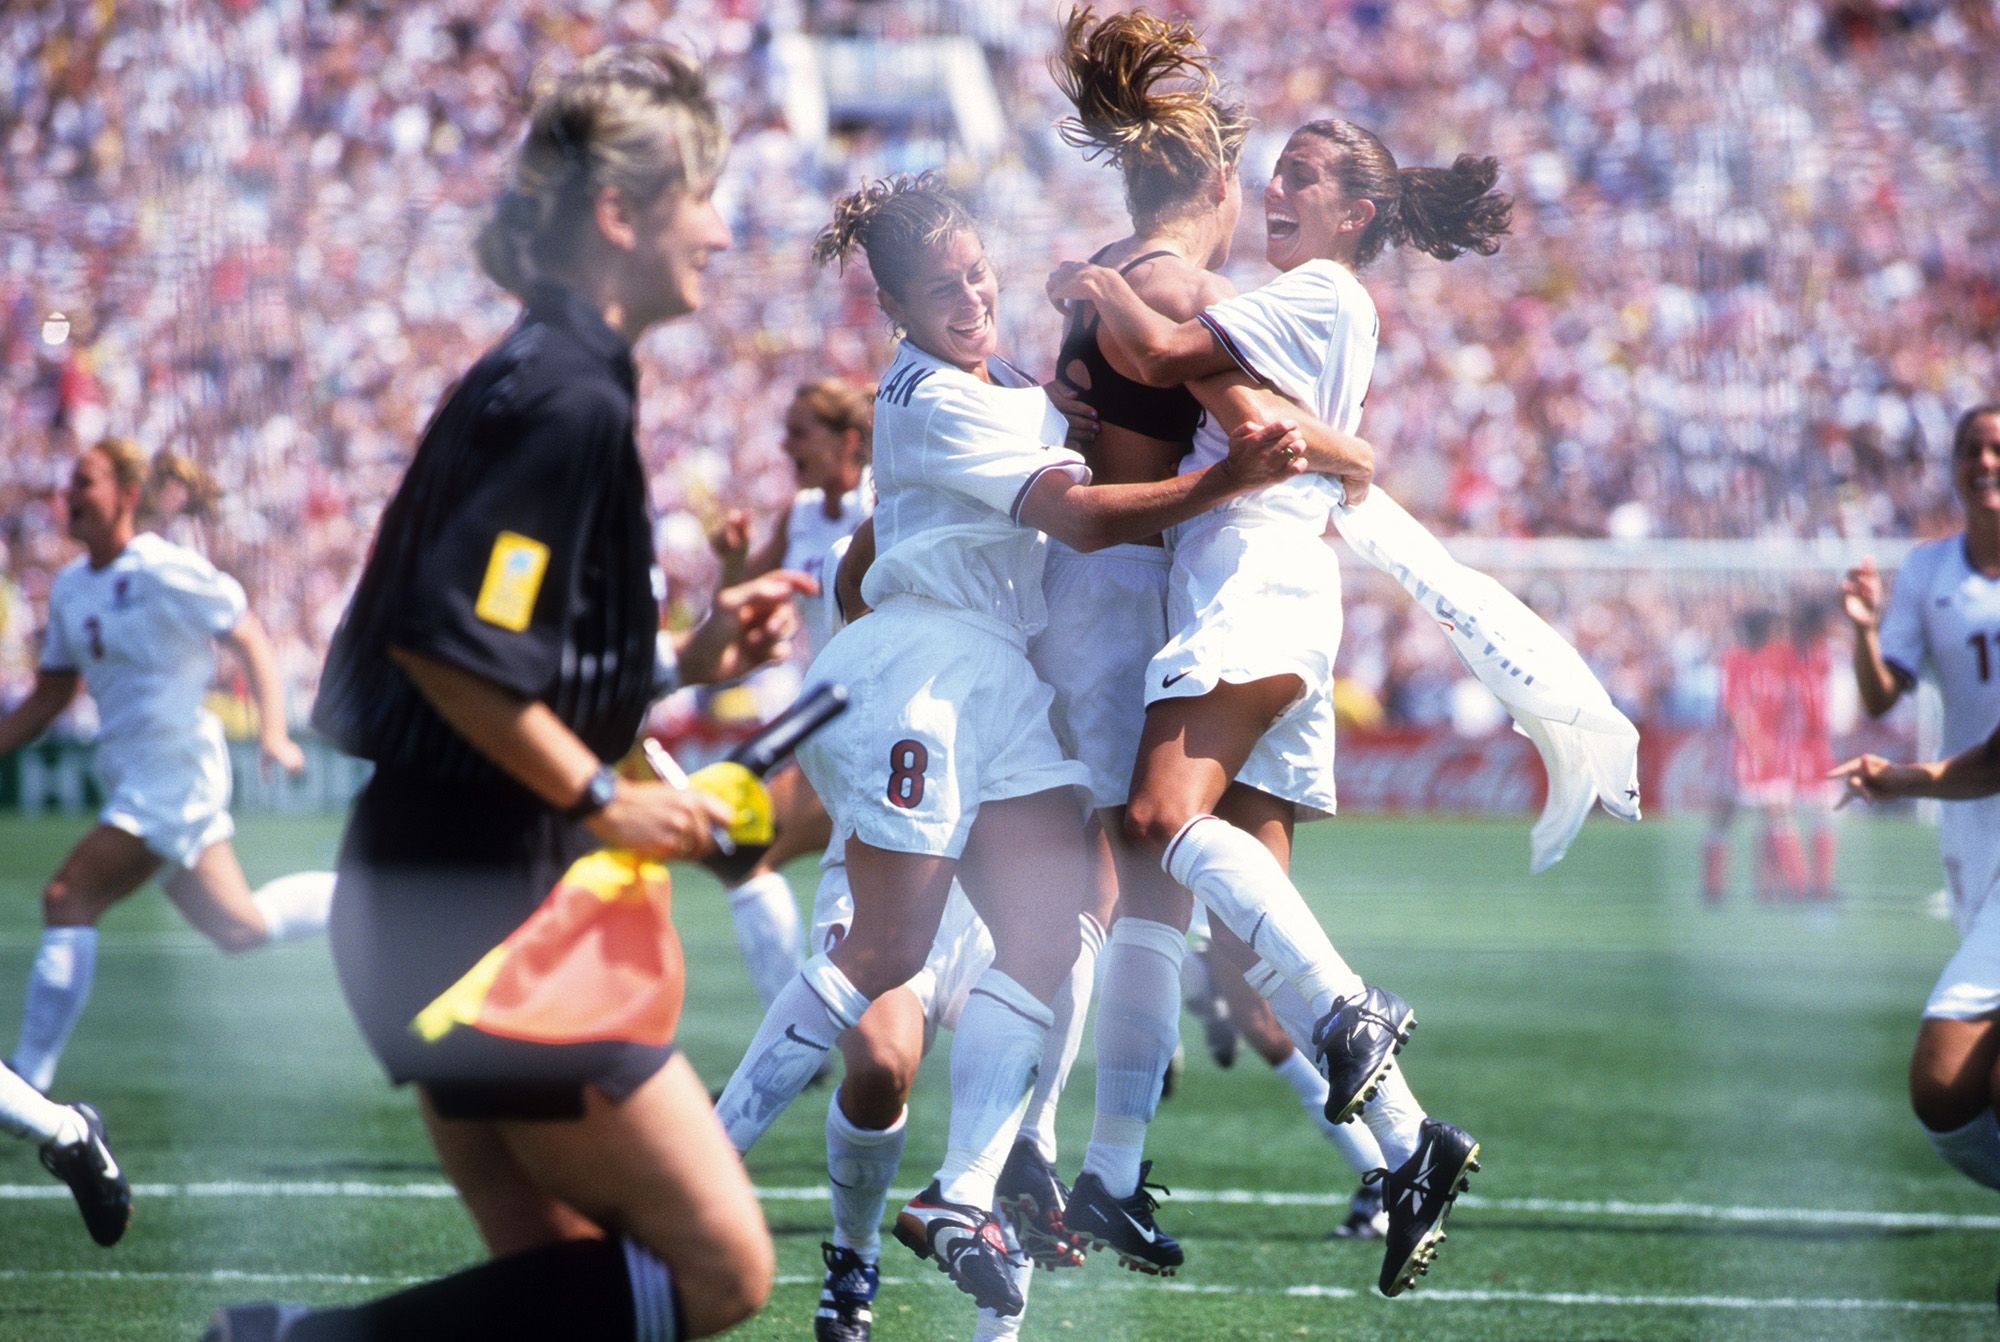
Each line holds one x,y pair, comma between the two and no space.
1715,849
74,1150
512,1213
1785,872
216,899
762,906
1952,1088
106,865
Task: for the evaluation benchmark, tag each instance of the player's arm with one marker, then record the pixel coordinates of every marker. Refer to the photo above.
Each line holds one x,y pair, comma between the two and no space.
252,647
731,543
1861,602
1238,403
750,624
854,566
1142,343
53,691
1091,517
1965,776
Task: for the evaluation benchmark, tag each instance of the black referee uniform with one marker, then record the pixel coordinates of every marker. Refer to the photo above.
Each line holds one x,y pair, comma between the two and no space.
518,548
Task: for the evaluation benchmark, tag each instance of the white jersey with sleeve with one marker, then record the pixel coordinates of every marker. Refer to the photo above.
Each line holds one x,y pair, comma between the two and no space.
955,457
1942,626
141,631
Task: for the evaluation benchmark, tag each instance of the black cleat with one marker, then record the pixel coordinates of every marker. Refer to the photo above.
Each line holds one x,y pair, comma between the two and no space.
1366,1217
1033,1198
103,1194
845,1297
261,1322
967,1245
1126,1224
1354,1046
1419,1197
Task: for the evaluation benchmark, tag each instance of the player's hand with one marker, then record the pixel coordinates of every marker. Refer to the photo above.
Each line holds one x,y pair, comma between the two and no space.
1861,594
657,821
1082,418
1263,454
282,751
731,538
1870,778
1075,282
750,624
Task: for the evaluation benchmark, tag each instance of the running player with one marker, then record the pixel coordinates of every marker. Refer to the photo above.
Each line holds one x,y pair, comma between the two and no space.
1942,624
134,620
945,766
1240,698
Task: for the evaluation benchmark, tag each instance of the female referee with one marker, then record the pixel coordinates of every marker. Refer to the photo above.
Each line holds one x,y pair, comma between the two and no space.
1241,693
500,648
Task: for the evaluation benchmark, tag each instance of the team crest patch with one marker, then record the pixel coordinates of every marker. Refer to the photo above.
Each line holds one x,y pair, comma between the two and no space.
513,580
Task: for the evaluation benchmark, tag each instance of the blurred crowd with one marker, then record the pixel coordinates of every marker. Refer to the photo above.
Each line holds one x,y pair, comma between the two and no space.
1755,270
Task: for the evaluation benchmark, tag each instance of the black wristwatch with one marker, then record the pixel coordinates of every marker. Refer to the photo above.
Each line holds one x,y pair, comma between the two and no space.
597,794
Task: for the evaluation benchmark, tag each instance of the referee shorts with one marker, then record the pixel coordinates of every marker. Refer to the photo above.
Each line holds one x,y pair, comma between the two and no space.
432,876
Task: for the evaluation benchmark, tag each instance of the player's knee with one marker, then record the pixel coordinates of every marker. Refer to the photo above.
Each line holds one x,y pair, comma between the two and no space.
737,1285
1152,821
880,963
879,1075
1943,1105
63,905
234,937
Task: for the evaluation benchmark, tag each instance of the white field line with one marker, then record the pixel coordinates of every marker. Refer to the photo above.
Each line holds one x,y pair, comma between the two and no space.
1562,1299
1609,1209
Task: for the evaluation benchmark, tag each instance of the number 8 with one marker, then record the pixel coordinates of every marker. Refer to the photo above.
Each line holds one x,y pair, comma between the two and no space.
907,761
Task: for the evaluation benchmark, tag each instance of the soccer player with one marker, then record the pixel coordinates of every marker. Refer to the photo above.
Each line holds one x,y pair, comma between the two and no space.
1240,697
827,432
1147,100
945,766
1762,709
134,619
1942,623
499,651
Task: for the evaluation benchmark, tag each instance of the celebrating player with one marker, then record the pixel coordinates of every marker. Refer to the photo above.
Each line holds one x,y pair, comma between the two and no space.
1942,623
1240,697
946,765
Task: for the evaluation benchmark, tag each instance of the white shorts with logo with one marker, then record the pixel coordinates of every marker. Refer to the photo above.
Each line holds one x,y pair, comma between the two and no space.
960,953
1107,619
945,714
1246,602
1969,841
170,791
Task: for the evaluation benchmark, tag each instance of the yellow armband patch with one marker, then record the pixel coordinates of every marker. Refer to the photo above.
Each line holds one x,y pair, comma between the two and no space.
513,580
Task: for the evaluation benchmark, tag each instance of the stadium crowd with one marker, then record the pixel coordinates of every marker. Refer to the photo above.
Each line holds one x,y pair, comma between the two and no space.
1755,271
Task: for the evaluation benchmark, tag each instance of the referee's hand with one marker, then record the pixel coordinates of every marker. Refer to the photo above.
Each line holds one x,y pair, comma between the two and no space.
657,821
750,624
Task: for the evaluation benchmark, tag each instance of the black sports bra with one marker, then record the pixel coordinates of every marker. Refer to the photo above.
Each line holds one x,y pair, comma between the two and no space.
1170,414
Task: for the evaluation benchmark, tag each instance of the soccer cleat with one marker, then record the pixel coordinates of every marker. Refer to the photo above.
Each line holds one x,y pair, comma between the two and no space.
1126,1224
1355,1044
966,1244
1366,1216
103,1194
1032,1197
844,1298
1419,1197
264,1321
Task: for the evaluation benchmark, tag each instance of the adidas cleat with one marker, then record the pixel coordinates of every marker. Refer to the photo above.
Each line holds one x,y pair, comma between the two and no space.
1033,1198
1355,1044
1366,1216
1126,1224
102,1193
261,1322
966,1244
1419,1196
846,1298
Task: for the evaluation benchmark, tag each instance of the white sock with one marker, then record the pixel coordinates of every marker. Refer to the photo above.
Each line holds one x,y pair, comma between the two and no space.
797,1033
32,1116
1292,1010
993,1327
1243,885
767,932
1072,1009
1356,1144
1973,1150
1395,1117
993,1062
860,1165
294,906
58,988
656,1316
1138,1027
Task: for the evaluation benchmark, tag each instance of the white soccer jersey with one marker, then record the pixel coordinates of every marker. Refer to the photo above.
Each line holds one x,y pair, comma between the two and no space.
810,536
140,631
954,459
1310,335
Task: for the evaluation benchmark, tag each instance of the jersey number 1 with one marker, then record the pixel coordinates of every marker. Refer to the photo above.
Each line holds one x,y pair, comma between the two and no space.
1983,652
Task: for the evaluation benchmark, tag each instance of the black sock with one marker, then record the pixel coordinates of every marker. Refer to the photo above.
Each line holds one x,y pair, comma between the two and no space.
576,1290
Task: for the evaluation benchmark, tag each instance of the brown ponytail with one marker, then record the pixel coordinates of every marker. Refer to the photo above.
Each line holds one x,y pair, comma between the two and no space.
893,221
1443,211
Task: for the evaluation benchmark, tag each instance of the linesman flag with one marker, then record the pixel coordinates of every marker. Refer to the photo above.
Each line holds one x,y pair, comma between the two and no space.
599,960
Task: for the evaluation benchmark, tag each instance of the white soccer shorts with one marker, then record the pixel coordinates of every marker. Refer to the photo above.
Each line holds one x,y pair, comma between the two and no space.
959,954
170,792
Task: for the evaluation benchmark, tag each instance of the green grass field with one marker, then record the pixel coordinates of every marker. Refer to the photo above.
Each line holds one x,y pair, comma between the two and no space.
1693,1119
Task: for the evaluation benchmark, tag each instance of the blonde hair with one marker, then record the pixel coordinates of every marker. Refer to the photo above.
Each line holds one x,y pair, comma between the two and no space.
1147,97
132,468
636,117
840,406
893,221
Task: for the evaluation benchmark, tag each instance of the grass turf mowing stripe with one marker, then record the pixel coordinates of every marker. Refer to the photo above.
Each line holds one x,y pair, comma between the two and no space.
1607,1208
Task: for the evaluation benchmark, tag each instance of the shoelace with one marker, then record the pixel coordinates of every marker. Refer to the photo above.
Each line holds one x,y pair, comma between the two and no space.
1142,1193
